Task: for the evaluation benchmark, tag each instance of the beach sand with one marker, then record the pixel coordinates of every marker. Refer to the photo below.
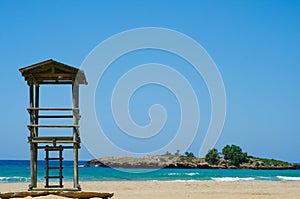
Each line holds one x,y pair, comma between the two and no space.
185,189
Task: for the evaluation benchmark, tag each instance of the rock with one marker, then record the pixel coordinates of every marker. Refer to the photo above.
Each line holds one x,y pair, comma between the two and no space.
173,161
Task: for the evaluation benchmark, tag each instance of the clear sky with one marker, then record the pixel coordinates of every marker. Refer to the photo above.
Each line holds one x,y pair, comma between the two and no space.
255,45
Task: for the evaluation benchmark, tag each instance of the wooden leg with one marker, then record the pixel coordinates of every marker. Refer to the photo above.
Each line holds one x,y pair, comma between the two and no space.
33,162
76,181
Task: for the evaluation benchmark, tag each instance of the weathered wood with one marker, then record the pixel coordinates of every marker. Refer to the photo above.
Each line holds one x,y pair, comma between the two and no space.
31,97
32,165
36,130
53,168
31,104
59,167
76,117
35,165
75,101
33,149
65,147
56,82
55,116
47,166
53,75
36,105
52,109
52,72
76,180
52,126
54,176
53,140
68,194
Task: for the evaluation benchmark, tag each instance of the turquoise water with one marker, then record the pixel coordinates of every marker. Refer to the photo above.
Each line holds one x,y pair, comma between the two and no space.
18,171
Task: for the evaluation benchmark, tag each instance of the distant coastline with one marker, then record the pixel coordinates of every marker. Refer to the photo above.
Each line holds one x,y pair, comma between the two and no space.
183,162
12,171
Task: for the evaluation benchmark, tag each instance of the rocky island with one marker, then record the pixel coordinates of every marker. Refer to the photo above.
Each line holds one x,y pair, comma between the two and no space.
232,158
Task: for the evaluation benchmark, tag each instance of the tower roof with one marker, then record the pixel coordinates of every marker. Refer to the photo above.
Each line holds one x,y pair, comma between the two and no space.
52,72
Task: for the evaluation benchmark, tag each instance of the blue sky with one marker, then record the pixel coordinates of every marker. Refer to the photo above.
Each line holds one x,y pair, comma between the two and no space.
255,45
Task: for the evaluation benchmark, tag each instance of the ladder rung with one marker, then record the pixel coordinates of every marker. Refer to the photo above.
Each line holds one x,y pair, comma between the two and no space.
64,147
52,109
54,186
54,177
44,139
55,116
54,158
52,126
54,149
57,141
54,168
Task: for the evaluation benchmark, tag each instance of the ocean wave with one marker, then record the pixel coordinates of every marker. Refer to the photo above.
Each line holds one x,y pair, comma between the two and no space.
263,177
232,179
14,179
173,174
288,178
188,174
186,180
178,180
192,174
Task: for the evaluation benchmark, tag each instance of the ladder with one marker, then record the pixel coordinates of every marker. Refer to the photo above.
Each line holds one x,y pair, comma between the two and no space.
58,167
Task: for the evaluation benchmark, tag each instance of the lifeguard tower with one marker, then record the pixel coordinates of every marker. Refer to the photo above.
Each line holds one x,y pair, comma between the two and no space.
49,73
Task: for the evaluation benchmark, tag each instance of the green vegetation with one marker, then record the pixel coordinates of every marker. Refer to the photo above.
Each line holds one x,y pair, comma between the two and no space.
266,162
212,157
177,153
234,154
189,154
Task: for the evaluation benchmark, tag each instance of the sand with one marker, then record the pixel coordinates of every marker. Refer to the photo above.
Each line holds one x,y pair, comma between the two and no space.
174,190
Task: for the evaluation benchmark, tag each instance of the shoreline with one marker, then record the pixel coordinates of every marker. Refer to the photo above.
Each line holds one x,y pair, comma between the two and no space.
183,189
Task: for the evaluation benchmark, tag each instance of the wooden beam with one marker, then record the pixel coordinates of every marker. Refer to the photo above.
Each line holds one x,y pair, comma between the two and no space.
31,105
76,179
32,167
52,140
64,147
52,109
76,117
55,116
56,82
37,104
53,74
52,126
68,194
60,167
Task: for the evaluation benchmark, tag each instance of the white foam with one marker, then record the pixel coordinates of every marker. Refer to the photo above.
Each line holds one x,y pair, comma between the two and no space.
192,174
288,178
189,174
181,180
232,179
173,174
14,178
263,177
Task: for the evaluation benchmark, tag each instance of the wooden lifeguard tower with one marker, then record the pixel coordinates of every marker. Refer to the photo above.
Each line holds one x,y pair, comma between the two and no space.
51,73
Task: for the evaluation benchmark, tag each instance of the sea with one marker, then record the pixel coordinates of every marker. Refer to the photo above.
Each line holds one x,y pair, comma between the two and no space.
12,171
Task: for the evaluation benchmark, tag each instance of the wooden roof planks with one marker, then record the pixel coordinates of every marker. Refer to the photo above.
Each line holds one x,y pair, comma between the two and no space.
52,72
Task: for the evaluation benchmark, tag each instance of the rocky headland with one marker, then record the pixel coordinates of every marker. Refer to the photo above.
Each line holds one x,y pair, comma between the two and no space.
183,162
